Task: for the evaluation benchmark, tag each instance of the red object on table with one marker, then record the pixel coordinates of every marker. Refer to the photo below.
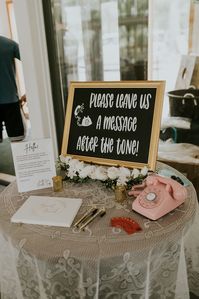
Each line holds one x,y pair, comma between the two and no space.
129,225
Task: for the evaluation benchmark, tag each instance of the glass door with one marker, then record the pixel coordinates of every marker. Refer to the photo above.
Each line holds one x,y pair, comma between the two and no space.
98,40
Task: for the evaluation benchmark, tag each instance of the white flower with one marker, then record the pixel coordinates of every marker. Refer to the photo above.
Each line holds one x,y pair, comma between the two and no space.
93,173
75,165
122,180
86,171
113,173
123,171
144,170
78,165
71,172
124,175
135,173
64,159
100,173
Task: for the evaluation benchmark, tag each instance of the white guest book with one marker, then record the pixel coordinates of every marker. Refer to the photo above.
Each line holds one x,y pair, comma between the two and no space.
44,210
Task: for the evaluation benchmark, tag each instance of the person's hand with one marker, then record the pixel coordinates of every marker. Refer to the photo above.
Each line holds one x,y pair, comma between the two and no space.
23,100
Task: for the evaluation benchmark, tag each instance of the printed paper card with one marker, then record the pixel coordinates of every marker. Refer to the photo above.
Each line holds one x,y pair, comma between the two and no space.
34,164
45,210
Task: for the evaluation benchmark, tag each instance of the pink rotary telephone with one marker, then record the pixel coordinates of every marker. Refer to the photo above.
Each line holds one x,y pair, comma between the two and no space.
157,196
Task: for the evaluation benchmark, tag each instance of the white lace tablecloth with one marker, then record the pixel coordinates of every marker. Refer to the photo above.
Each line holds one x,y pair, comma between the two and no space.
161,261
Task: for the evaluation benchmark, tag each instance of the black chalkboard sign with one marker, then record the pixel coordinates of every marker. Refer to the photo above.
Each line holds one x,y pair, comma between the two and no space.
114,123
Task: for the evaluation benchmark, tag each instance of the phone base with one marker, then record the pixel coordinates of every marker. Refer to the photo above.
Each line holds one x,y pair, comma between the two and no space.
154,214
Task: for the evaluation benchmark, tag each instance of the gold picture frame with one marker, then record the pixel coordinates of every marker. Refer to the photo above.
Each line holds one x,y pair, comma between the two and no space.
114,123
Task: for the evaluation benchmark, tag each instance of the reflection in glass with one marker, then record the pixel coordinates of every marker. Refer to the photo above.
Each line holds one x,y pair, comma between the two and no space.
101,40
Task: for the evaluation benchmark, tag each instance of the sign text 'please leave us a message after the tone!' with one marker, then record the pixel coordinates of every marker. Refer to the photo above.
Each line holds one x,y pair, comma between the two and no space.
113,124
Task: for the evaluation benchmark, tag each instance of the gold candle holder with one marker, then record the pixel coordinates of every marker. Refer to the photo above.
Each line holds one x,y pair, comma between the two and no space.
120,194
57,183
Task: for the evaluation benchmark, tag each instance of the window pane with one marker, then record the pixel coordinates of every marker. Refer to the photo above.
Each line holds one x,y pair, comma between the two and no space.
101,40
169,40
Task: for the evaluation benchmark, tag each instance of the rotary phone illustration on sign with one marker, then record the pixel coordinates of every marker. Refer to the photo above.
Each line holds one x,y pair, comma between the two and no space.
157,196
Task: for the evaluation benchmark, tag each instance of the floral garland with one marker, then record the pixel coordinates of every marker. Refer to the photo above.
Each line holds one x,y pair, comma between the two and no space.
79,172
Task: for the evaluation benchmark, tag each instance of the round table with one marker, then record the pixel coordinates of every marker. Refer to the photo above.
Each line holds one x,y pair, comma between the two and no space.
160,261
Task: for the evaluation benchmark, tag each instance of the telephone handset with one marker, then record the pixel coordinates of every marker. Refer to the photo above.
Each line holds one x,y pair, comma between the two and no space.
157,196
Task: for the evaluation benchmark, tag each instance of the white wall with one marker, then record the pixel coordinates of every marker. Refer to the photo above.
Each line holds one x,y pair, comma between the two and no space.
4,24
195,39
31,34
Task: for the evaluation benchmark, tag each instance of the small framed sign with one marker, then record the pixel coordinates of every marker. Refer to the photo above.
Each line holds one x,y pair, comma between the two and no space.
114,123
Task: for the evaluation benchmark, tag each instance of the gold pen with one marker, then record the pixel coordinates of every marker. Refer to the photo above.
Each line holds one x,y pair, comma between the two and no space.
85,216
100,212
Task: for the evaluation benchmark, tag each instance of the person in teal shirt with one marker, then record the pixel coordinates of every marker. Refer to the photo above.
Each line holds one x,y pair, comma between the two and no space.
10,113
